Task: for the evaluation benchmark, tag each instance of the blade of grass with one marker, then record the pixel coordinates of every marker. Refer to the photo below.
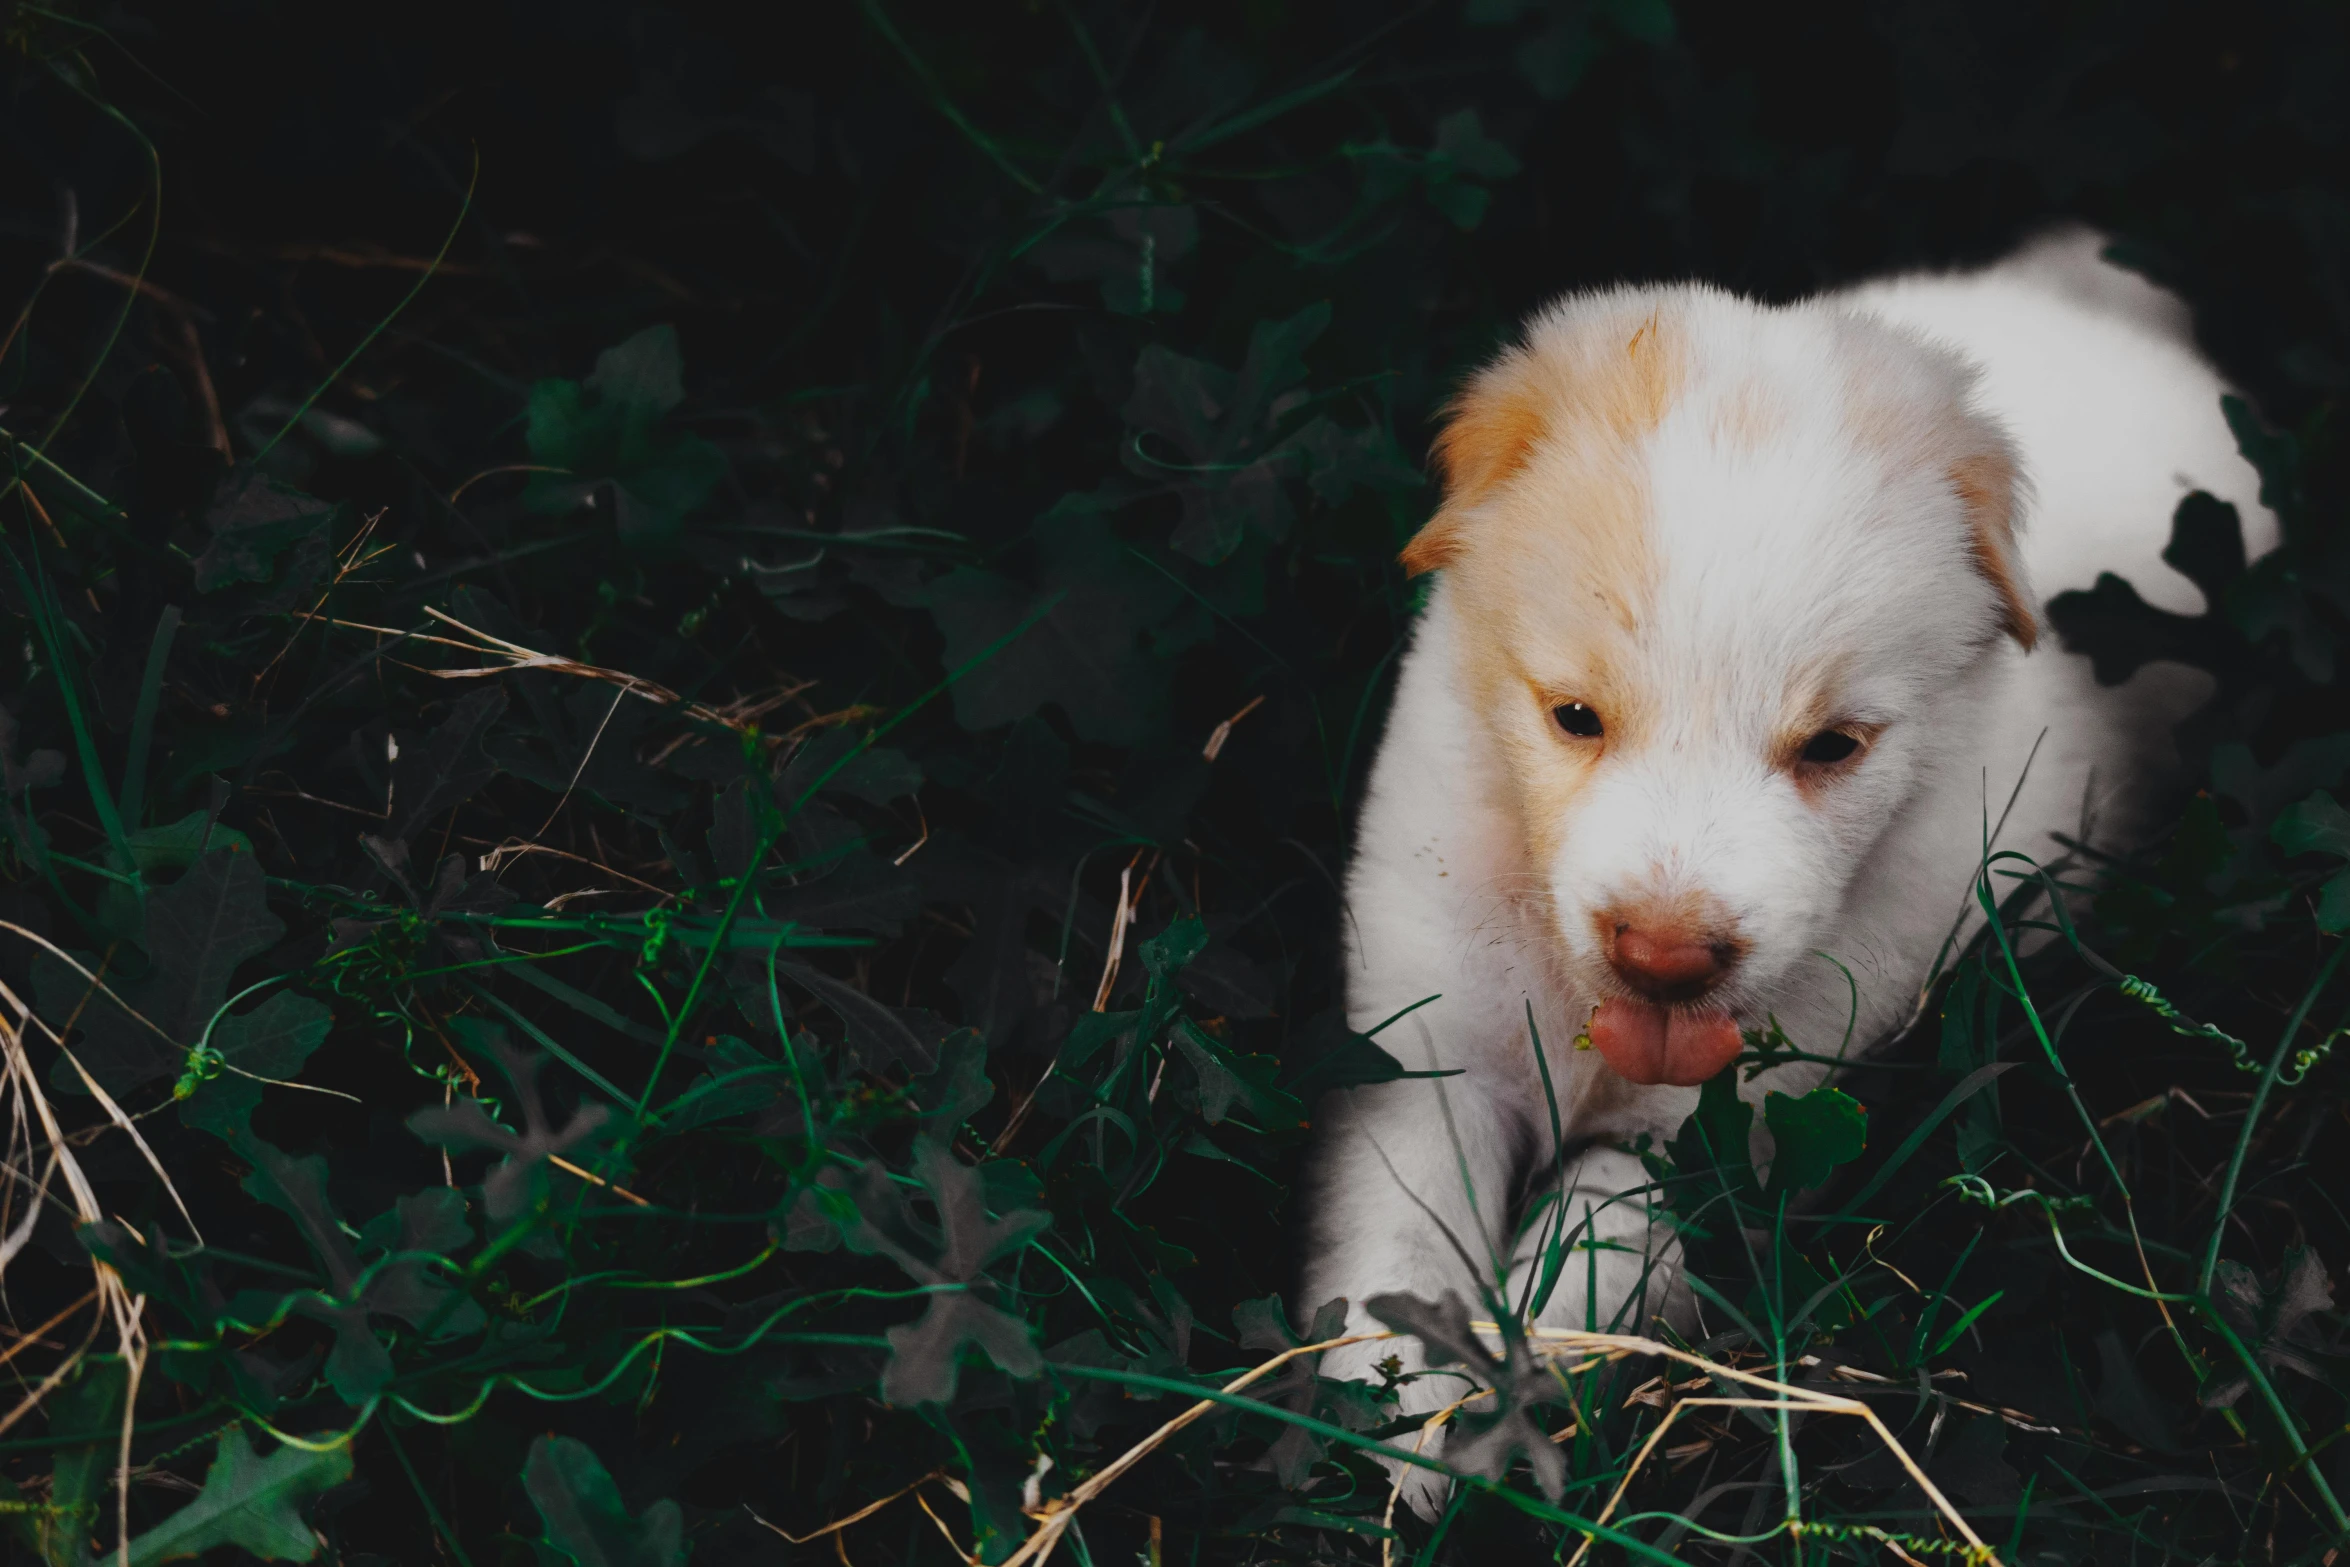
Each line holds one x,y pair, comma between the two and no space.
2268,1082
130,296
134,781
47,616
464,210
547,1043
1969,1086
1272,109
942,103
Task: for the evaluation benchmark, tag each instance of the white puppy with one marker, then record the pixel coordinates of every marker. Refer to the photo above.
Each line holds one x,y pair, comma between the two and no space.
1732,652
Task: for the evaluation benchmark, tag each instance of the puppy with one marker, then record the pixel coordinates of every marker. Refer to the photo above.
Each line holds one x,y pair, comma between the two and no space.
1730,662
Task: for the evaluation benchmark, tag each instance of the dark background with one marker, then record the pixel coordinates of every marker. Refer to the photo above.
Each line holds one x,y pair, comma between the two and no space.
1118,331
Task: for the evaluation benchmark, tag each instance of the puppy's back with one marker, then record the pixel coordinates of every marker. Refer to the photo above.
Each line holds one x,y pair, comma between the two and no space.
2093,370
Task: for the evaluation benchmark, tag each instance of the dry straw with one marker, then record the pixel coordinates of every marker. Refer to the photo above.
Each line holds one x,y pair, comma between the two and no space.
1056,1515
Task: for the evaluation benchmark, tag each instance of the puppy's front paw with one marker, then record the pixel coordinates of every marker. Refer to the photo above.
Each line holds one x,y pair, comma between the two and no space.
1424,1491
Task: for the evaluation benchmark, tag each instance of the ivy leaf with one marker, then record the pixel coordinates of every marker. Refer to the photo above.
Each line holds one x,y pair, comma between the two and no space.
1211,435
177,845
1083,650
2319,825
197,931
1125,251
249,1502
1226,1079
85,1417
432,1220
2275,455
1173,949
1464,153
2272,599
253,520
359,1365
585,1521
272,1040
1825,1128
2206,545
513,1187
443,769
2121,632
879,1035
611,427
1484,1442
924,1354
1264,1327
1331,1055
2274,1316
1714,1138
959,1087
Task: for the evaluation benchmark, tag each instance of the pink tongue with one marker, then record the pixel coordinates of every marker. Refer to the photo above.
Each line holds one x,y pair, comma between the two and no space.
1654,1045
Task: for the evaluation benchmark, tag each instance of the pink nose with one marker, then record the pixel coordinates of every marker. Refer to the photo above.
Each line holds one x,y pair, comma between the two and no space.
1667,963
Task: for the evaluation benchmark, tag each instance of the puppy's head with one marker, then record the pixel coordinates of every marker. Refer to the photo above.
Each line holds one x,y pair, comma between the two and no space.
1718,570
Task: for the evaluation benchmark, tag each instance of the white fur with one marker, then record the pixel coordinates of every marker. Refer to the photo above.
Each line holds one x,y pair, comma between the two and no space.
1781,554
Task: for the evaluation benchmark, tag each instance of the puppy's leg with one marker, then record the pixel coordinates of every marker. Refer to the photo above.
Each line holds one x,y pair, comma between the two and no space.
1609,1259
1415,1182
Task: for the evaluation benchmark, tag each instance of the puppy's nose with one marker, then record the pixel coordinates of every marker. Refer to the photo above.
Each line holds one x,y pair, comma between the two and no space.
1669,963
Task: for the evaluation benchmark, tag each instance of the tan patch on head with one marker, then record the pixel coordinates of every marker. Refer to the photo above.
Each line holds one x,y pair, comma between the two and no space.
1544,535
1610,379
1986,486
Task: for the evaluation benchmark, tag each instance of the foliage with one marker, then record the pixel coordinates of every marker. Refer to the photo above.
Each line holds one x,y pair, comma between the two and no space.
683,716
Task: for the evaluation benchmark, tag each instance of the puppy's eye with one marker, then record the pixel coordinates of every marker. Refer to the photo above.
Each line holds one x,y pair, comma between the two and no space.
1829,747
1578,720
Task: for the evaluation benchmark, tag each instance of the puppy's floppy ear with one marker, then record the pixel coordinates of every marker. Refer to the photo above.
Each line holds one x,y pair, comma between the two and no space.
1990,488
1489,432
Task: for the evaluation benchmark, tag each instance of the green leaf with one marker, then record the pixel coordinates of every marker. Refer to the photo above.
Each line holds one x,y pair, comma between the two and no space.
642,378
879,1035
1649,21
924,1354
1350,1060
1488,1434
1714,1138
958,1088
253,520
1825,1128
1126,251
1171,950
585,1521
272,1040
197,931
86,1415
611,427
2206,545
1084,653
1461,138
517,1183
443,769
1212,436
1226,1078
358,1366
178,845
252,1503
2319,825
